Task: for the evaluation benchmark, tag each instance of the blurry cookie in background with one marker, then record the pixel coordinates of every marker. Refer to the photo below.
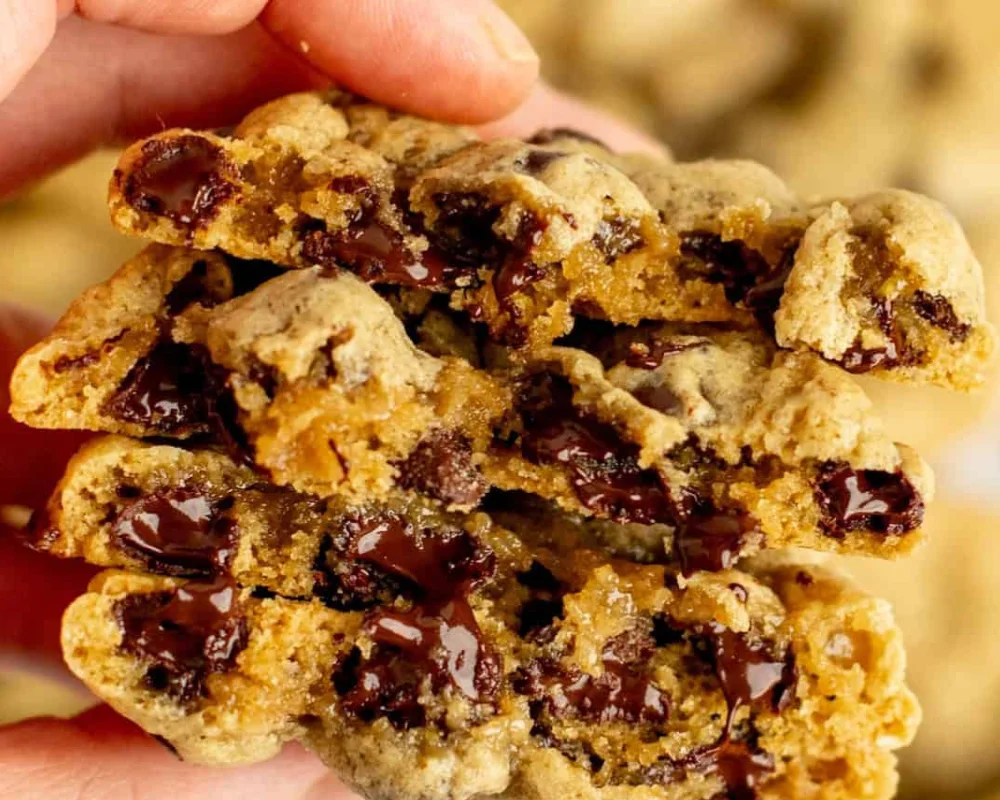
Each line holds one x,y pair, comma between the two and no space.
57,238
23,695
946,602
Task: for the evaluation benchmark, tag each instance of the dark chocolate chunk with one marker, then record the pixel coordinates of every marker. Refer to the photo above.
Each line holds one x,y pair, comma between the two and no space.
444,638
178,531
711,539
166,390
193,288
439,636
553,135
603,469
382,687
186,179
940,313
185,634
377,254
616,237
441,467
536,161
650,355
621,694
872,500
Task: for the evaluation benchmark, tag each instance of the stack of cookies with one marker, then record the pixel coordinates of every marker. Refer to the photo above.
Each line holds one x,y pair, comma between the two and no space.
468,464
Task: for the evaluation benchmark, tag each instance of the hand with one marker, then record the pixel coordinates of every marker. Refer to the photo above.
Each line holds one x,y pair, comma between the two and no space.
105,73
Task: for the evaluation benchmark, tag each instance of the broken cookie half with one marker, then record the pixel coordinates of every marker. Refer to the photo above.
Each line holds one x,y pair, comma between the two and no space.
495,670
529,236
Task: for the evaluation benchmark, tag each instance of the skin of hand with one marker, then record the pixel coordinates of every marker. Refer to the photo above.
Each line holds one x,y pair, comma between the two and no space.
75,76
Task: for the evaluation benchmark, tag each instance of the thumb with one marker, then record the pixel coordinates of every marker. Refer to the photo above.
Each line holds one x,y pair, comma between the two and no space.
101,756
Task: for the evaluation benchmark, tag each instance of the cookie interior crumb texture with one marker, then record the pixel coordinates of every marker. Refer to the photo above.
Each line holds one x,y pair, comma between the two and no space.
473,465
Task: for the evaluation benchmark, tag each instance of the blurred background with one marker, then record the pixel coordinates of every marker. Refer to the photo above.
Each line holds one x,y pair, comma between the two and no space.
838,96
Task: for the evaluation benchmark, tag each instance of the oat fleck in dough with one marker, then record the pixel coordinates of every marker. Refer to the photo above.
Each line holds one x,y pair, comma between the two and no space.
470,465
528,236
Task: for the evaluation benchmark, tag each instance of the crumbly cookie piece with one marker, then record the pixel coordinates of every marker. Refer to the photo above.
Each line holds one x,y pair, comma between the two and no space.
600,680
527,235
307,374
888,282
195,513
716,434
711,445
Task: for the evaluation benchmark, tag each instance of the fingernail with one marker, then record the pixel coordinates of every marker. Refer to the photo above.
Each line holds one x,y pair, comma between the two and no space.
507,38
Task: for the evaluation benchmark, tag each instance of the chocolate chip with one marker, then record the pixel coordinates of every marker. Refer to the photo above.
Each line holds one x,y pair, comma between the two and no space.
176,387
178,531
193,288
603,469
376,254
441,467
66,363
381,687
185,634
940,313
617,237
711,539
536,161
866,500
620,694
186,178
444,637
651,355
552,135
731,263
464,230
438,637
165,390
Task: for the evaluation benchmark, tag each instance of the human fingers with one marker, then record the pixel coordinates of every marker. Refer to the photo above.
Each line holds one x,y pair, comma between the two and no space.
72,102
456,59
549,108
34,589
100,755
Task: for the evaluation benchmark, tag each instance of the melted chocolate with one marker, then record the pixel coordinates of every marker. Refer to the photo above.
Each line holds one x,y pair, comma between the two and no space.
711,539
536,161
185,179
176,387
179,531
382,687
192,288
737,267
64,363
441,467
604,470
438,637
185,634
617,237
165,390
854,500
621,694
444,637
650,355
940,313
377,254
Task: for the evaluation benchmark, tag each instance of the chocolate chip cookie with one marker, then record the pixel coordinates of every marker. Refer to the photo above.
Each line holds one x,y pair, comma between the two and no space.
311,378
518,674
467,464
526,236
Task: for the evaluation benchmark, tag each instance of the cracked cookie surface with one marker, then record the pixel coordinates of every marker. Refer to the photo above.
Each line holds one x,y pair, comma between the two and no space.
605,680
529,235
